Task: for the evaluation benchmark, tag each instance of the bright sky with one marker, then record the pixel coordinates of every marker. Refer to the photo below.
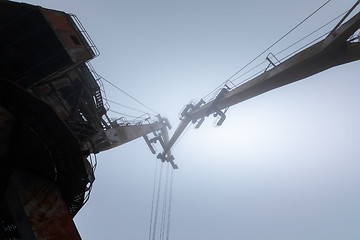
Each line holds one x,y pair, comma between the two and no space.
284,165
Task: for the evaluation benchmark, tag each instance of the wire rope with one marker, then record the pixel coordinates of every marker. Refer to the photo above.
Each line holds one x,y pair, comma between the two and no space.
318,29
122,114
153,200
277,41
164,210
122,105
170,202
166,203
305,46
261,71
129,95
157,203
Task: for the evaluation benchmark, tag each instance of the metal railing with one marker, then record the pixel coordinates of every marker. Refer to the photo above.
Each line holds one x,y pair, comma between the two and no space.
87,37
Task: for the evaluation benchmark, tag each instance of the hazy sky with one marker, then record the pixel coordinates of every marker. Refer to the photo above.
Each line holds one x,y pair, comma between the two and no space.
284,165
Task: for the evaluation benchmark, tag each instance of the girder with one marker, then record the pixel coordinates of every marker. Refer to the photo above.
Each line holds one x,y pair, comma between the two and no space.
332,51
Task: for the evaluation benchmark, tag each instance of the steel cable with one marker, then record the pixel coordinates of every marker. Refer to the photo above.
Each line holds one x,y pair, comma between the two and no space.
287,56
164,210
170,202
122,105
157,203
277,41
153,200
129,96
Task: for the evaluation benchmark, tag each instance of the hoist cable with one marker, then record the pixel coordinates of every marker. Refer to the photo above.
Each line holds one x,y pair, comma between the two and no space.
153,200
164,210
170,201
157,203
129,96
268,48
167,202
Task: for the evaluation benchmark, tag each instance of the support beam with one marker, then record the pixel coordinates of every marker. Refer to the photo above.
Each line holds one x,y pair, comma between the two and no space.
120,134
333,51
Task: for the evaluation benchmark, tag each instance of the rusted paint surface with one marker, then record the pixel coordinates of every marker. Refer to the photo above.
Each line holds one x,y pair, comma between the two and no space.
44,207
67,32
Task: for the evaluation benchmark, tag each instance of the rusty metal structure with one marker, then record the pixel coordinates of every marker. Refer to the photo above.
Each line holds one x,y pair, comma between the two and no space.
52,118
53,115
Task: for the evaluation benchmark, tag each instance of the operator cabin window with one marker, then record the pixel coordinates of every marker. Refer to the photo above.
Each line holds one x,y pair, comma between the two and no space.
75,40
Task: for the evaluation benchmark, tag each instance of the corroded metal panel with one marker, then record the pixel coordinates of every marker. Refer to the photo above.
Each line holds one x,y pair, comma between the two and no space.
38,208
67,32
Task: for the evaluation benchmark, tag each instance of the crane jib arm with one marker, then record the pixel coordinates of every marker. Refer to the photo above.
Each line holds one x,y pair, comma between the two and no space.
332,51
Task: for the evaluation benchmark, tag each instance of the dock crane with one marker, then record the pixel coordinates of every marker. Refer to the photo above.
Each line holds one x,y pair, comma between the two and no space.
50,99
339,47
53,119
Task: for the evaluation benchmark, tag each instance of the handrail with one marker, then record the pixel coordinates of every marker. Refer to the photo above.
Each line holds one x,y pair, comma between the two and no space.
83,31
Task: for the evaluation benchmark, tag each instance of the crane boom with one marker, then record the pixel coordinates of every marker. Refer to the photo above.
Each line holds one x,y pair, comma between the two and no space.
332,51
120,134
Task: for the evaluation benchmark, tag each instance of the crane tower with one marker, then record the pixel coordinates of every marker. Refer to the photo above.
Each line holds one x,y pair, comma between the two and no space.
52,117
